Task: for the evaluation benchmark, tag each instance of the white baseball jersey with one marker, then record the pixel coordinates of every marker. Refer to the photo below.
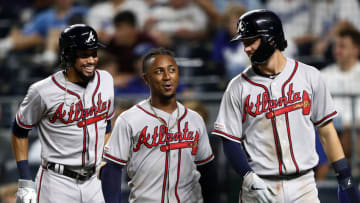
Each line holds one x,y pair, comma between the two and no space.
160,164
71,119
274,119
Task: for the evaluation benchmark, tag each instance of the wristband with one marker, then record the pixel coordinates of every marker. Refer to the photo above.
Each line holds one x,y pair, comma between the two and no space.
24,169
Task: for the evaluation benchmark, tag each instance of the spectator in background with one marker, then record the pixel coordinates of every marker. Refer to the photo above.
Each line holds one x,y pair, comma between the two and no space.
295,17
35,33
101,15
221,5
229,57
49,56
333,11
343,77
211,10
126,37
136,84
324,23
178,24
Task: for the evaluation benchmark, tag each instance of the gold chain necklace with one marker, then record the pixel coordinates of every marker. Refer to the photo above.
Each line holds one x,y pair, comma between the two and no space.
161,120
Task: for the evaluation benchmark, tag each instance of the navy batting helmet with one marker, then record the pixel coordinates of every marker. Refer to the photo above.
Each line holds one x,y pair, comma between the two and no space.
76,37
264,24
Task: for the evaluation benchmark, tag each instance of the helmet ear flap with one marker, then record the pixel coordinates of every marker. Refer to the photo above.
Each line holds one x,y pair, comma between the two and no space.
282,45
67,57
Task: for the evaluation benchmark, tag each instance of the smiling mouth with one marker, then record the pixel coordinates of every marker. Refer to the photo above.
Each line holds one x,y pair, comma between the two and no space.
89,68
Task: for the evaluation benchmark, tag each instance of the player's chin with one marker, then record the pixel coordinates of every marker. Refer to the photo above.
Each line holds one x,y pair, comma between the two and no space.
87,76
168,95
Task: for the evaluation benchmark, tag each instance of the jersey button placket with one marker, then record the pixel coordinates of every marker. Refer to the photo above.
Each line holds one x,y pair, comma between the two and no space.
87,153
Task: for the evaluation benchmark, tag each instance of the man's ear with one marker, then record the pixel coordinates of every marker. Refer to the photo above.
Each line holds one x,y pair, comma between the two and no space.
145,78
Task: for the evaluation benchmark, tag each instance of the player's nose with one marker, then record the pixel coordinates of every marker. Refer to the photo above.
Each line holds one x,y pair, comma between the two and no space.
247,48
91,59
166,75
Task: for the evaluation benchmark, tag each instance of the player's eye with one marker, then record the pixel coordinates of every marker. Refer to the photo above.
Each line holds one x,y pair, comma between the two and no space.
248,42
172,70
158,71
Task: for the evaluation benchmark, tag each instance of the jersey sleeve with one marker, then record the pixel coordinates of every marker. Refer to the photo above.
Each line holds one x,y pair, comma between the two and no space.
322,107
31,109
229,122
118,146
204,153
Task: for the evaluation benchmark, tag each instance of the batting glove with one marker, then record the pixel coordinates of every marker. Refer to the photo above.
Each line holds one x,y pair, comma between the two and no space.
26,192
254,189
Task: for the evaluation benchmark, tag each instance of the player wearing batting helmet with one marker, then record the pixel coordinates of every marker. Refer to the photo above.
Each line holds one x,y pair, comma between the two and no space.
267,117
71,109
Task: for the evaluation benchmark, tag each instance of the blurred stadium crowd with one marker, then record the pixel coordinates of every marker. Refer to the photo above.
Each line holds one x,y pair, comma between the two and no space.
322,33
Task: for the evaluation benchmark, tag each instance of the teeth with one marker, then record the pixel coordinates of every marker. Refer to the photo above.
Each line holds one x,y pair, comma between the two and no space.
89,68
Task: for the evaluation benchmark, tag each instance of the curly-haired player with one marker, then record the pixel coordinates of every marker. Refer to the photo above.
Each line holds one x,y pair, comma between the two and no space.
71,110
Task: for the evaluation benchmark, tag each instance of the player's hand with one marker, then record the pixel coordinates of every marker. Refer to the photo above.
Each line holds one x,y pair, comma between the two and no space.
26,192
347,190
254,189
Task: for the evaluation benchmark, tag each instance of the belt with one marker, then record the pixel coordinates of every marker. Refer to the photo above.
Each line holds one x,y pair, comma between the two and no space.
285,176
64,170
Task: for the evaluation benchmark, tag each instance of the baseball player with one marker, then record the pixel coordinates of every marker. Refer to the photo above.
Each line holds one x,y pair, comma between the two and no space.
161,142
71,110
267,117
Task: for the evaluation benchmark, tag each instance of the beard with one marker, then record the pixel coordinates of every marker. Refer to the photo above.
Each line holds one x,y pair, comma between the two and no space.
167,97
83,76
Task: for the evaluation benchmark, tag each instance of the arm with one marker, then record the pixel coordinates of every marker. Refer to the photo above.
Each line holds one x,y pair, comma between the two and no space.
20,145
110,175
347,191
17,41
22,42
252,183
236,156
330,142
210,10
209,182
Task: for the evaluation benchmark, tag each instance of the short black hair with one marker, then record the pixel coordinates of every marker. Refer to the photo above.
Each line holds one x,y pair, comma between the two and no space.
125,17
154,52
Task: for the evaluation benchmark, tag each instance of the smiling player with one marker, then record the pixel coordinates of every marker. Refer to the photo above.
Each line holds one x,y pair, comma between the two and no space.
71,110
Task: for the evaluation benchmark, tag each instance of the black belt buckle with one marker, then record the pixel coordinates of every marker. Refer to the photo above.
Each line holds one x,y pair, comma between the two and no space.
82,177
86,175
